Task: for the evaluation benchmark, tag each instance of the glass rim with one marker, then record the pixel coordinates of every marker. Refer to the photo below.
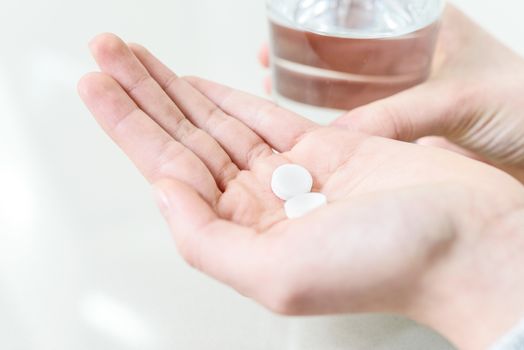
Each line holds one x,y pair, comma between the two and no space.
272,15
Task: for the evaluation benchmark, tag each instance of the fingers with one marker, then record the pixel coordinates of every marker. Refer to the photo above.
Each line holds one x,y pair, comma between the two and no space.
428,109
263,58
241,143
156,154
221,249
116,59
263,55
279,127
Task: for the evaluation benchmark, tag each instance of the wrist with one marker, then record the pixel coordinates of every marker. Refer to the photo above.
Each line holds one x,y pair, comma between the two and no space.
478,296
481,298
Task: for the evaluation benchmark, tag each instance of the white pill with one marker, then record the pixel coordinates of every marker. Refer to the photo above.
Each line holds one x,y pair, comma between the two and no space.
302,204
290,180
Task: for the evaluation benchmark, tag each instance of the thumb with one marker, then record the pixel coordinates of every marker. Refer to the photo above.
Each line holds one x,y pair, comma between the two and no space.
427,109
222,249
183,208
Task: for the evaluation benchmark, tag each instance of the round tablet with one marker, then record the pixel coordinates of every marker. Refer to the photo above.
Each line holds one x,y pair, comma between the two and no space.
290,180
302,204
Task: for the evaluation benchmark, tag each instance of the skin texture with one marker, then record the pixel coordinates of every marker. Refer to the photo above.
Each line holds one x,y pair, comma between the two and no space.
472,104
406,228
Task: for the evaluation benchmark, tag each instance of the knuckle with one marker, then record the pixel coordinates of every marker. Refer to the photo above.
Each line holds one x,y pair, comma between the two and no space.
258,150
287,292
391,122
139,82
170,82
286,300
226,173
188,250
167,155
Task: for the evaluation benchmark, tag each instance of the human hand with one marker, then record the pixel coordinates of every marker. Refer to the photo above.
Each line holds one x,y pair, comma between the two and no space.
473,99
472,102
396,233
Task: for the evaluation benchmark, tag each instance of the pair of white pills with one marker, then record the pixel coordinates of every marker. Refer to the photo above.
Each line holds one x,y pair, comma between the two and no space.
293,183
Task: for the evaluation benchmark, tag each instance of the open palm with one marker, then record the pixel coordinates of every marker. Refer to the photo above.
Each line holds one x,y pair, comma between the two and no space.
211,151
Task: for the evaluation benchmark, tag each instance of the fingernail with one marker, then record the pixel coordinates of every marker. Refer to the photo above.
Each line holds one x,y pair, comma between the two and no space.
161,200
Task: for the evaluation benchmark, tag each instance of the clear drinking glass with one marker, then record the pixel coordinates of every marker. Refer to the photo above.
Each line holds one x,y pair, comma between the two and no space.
328,56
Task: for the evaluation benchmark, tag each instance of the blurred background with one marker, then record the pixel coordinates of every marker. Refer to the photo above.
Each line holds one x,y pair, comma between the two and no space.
86,262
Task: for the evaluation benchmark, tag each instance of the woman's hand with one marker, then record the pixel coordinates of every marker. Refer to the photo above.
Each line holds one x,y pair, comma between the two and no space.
472,102
405,230
473,99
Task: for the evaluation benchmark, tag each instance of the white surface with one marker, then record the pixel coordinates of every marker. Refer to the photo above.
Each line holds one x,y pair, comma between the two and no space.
303,204
290,180
85,259
514,340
